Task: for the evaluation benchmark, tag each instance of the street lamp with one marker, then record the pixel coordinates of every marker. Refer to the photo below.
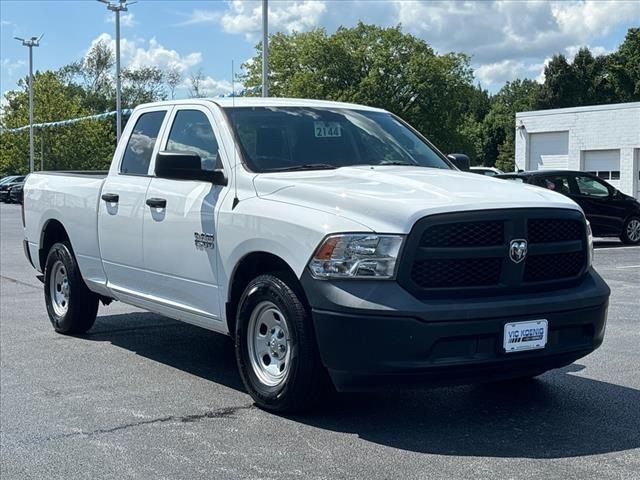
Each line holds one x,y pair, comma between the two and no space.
32,42
117,7
265,48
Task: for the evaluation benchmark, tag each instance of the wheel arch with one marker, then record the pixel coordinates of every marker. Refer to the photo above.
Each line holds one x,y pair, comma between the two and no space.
249,267
52,232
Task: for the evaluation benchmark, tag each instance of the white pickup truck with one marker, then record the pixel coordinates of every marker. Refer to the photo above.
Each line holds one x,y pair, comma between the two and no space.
331,241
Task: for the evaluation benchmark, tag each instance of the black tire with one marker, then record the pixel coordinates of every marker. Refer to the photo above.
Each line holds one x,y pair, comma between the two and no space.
81,304
628,235
306,379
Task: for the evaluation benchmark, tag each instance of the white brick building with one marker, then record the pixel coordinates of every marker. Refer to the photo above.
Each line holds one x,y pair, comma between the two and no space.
604,139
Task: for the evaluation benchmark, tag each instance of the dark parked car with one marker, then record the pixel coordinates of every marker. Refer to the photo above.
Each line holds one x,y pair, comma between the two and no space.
15,193
610,212
6,186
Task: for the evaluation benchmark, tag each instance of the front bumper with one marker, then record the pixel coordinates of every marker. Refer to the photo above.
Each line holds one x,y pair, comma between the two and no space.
374,335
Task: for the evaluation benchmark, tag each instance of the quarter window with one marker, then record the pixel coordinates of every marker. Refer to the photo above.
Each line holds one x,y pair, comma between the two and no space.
137,156
191,132
591,187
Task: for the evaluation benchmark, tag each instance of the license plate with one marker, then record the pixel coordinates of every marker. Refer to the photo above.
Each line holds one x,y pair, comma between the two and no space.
520,336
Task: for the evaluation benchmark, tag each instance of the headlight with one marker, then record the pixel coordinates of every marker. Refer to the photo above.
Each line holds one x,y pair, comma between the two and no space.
589,245
356,256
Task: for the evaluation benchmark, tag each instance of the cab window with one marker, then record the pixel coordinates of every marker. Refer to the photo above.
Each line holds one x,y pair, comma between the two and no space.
591,187
191,132
137,156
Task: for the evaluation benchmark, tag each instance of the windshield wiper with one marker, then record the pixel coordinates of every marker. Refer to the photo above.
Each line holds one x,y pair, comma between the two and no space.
408,164
306,166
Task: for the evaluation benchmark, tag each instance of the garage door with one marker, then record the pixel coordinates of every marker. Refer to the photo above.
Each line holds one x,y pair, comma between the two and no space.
603,163
548,150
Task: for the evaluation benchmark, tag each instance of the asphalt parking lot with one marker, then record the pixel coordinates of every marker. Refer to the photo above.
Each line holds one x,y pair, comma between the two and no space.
143,396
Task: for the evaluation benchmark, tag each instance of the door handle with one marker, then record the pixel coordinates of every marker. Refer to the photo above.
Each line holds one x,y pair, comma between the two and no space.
157,202
110,197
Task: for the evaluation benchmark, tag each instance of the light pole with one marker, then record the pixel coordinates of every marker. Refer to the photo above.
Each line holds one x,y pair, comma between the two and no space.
32,42
120,6
265,48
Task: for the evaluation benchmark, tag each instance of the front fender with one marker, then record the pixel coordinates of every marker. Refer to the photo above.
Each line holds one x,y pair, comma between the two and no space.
287,231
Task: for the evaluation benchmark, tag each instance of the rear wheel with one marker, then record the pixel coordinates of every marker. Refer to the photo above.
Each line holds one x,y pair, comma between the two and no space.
276,347
71,306
631,231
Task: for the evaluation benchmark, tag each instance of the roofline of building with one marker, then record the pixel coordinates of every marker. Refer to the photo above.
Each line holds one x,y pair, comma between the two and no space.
590,108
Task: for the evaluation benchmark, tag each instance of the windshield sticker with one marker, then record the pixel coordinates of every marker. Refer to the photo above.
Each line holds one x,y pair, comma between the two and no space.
326,129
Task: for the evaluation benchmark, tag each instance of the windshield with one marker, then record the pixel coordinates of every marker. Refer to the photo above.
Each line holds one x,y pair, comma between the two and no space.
7,180
297,138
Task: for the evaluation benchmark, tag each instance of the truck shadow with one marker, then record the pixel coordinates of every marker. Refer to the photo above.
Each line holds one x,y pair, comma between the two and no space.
559,415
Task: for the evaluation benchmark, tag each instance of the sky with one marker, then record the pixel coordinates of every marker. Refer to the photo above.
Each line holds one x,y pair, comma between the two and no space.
505,39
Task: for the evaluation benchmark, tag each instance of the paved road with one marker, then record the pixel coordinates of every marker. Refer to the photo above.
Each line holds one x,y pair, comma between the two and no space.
142,396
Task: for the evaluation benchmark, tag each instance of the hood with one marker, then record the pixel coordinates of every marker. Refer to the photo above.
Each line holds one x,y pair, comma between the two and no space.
391,198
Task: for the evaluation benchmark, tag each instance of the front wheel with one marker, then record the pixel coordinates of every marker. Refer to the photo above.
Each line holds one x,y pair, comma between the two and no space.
276,348
631,231
71,306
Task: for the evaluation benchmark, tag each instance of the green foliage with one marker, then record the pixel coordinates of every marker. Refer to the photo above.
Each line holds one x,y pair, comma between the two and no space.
373,66
84,145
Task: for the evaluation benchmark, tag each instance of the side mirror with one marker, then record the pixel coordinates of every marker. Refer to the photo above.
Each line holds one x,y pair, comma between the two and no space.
460,160
186,166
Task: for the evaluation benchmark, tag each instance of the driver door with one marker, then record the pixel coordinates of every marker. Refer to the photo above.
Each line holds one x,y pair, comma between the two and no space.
596,199
179,240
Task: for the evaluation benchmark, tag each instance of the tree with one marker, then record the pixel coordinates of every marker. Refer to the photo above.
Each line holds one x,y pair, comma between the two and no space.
195,85
497,129
83,145
91,78
142,85
173,77
624,67
377,66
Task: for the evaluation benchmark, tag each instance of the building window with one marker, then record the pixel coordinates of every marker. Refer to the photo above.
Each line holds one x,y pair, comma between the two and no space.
607,174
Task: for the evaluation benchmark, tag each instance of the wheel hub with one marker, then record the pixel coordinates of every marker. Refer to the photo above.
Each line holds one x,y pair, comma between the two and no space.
268,341
633,230
59,288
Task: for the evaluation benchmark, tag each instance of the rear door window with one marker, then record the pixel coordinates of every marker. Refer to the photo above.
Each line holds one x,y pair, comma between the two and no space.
142,141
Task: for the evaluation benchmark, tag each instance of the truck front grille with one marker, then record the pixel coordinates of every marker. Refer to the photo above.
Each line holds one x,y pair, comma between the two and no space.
464,234
540,268
544,230
461,272
464,253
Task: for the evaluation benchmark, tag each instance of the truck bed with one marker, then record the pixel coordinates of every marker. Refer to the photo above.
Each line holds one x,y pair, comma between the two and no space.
71,198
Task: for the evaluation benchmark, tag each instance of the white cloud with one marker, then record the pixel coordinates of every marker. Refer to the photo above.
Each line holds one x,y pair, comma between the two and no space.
201,16
126,19
210,87
493,30
138,53
11,66
506,70
572,50
245,17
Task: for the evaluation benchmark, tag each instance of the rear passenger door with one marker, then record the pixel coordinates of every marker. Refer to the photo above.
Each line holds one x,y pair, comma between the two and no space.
122,203
179,243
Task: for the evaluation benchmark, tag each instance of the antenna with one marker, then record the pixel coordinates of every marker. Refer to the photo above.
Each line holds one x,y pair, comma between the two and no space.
235,146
